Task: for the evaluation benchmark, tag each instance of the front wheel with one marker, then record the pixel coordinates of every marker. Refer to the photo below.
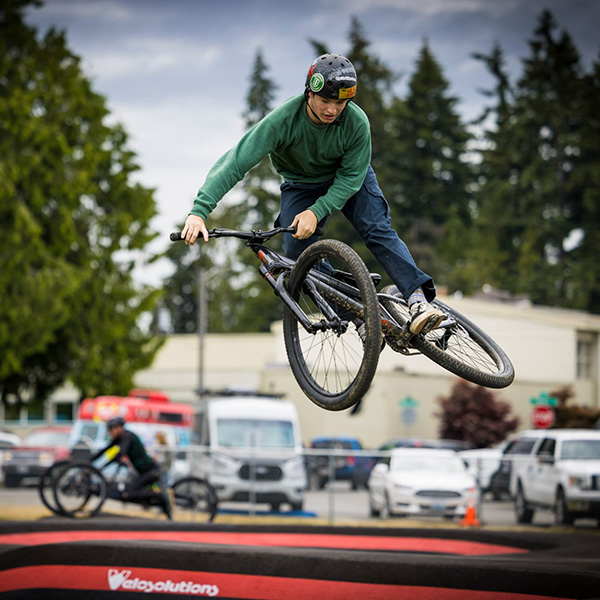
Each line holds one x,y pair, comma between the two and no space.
334,365
458,345
523,512
195,500
79,490
562,515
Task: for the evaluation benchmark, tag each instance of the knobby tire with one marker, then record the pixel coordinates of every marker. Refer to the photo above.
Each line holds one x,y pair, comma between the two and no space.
470,352
334,370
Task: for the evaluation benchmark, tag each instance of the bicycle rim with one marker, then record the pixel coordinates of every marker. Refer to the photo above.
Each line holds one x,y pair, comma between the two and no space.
79,490
195,500
462,348
333,368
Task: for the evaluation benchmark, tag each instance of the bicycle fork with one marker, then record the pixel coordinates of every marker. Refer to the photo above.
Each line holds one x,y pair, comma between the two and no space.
280,289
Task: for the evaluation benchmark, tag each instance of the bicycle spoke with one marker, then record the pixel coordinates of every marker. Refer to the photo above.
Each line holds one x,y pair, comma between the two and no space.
458,343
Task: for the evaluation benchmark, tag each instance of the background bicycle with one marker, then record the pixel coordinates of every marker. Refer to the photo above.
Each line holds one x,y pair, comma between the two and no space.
79,490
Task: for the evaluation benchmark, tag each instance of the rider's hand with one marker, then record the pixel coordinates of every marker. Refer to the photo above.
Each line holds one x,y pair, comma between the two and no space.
306,222
193,228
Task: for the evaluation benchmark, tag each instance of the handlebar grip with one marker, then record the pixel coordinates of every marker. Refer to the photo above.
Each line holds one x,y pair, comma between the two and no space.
319,231
176,236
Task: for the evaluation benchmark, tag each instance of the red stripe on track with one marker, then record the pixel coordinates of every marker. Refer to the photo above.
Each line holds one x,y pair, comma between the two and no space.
193,583
291,540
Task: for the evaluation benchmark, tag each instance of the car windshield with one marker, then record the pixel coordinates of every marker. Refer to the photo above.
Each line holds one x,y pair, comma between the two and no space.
427,463
334,444
522,446
255,433
580,450
46,438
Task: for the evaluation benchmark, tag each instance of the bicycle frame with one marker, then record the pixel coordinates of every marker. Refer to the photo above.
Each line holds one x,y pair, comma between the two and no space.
275,268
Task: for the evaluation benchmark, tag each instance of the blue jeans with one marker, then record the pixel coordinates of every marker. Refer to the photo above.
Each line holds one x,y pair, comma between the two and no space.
369,213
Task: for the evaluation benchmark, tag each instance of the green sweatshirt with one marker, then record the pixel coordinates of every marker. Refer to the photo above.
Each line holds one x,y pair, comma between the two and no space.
301,152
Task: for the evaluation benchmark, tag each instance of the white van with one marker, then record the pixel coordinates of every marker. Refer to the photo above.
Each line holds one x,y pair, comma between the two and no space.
251,450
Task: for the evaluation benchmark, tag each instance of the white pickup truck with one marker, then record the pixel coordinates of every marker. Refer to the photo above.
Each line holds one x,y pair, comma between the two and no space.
562,474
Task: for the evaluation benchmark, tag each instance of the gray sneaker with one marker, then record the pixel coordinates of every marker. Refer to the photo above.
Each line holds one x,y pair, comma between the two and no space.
362,334
424,317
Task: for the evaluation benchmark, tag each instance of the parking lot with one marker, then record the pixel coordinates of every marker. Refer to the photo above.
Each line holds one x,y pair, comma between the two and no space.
336,504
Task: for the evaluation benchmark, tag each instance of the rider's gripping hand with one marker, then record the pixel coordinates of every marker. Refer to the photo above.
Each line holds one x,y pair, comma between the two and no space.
193,228
306,222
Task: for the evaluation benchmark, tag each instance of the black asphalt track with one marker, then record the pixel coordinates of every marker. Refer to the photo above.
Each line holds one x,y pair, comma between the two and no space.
117,557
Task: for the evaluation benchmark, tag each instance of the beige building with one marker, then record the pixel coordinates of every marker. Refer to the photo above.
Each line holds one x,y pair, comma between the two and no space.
549,348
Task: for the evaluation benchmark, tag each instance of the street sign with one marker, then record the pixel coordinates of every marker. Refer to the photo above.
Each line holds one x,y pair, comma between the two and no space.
544,399
542,417
408,402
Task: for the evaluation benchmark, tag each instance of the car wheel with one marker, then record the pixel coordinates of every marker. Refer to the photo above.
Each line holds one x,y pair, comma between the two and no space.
297,506
523,512
562,515
372,510
12,481
386,513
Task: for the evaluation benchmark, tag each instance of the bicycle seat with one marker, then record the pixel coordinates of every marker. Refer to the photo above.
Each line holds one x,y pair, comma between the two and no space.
347,277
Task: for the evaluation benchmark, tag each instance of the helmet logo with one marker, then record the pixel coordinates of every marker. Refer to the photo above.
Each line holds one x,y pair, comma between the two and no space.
347,93
317,81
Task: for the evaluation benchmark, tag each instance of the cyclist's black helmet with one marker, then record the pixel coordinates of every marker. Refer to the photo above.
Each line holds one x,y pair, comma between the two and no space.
332,76
115,422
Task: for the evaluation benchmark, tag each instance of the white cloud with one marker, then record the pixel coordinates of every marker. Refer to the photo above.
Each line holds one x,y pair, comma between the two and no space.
429,7
105,10
146,56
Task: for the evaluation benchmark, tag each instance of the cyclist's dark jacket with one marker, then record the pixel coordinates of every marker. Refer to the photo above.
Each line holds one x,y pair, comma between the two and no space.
301,152
130,445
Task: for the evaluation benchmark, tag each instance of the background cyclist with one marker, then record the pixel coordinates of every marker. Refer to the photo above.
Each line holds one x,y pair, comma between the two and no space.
127,445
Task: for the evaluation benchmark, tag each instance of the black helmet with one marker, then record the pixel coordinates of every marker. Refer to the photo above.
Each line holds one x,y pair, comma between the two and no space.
332,76
115,422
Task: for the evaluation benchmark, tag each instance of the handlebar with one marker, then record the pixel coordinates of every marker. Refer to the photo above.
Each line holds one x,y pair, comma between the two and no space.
255,234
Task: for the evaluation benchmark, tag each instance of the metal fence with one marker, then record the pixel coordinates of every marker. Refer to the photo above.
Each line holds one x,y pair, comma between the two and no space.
340,485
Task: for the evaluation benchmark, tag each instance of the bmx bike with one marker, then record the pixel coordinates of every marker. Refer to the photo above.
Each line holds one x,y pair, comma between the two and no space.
79,490
334,322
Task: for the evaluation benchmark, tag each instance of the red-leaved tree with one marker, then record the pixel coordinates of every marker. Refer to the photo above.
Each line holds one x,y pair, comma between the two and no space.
474,414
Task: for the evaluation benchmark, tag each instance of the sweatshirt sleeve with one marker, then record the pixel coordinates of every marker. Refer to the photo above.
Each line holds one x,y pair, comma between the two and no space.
350,175
257,143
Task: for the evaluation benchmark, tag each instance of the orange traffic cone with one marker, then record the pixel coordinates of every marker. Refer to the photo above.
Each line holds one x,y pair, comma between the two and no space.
470,519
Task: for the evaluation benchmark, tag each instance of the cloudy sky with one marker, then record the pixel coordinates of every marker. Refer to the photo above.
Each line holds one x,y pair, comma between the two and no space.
176,72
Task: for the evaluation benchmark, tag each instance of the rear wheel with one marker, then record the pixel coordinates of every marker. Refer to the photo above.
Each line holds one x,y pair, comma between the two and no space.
79,490
333,366
195,500
458,345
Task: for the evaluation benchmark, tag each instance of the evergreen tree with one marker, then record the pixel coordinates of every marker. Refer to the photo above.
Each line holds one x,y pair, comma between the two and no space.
430,196
69,308
539,175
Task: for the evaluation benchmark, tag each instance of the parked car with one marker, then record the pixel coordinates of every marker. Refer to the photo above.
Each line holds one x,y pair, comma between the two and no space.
443,444
346,466
421,481
519,446
563,475
38,450
483,463
253,451
7,440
